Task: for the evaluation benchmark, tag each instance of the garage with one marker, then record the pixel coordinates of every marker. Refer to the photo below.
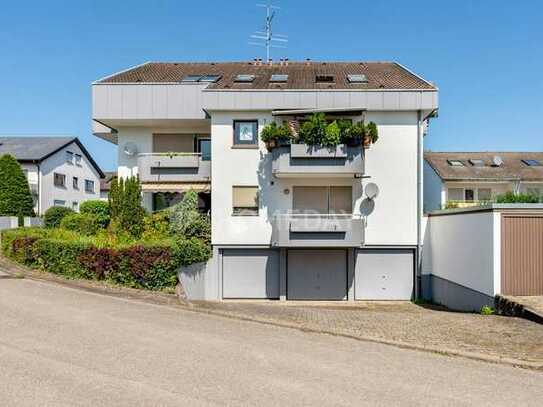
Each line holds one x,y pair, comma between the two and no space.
317,274
522,254
250,273
384,274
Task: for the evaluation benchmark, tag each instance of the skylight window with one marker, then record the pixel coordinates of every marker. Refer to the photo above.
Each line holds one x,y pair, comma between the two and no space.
455,163
532,163
192,78
244,78
279,78
324,78
210,78
357,78
476,162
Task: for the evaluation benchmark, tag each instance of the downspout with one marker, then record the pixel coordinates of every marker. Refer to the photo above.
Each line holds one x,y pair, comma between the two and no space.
39,190
418,272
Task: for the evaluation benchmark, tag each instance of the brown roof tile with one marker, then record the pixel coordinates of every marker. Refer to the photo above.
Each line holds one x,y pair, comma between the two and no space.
380,75
513,168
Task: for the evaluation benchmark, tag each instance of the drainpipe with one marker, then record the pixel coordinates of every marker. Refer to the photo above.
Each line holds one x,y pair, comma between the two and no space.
418,272
39,190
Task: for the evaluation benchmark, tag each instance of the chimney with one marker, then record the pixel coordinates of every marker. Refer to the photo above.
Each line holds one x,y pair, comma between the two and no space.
286,61
270,62
308,61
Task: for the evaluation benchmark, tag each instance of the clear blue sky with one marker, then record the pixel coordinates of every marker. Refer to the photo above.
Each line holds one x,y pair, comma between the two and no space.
485,56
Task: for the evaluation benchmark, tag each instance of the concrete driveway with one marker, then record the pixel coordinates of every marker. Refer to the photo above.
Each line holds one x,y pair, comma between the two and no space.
65,347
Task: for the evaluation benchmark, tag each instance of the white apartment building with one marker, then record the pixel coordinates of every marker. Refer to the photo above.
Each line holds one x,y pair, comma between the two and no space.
464,179
298,222
60,171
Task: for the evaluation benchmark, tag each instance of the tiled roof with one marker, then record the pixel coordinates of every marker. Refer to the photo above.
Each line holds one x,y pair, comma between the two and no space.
105,182
513,168
301,75
32,148
37,149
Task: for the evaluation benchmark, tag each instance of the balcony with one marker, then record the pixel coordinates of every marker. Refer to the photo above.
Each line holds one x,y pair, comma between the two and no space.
300,160
174,167
315,230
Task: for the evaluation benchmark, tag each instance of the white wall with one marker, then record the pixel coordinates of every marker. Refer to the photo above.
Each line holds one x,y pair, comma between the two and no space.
498,188
391,163
32,176
57,163
433,189
465,249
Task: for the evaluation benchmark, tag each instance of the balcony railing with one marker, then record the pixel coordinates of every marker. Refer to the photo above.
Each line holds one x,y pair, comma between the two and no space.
300,160
173,167
317,230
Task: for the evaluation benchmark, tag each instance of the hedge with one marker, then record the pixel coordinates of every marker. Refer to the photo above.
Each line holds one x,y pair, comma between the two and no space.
54,215
98,209
149,265
85,224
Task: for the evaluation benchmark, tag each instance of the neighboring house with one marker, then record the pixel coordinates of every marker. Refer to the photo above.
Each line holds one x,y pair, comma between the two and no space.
60,171
466,179
291,223
105,184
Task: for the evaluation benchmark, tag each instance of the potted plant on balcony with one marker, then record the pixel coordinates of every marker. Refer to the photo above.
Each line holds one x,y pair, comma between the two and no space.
274,136
353,134
371,135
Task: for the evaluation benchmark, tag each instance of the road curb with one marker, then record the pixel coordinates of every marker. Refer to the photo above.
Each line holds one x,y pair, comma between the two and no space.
153,298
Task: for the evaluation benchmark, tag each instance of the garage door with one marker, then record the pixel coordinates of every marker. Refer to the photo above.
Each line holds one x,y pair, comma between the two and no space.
384,275
522,255
317,275
250,273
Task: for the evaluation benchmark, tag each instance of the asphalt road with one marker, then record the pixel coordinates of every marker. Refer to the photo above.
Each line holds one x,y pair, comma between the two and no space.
64,347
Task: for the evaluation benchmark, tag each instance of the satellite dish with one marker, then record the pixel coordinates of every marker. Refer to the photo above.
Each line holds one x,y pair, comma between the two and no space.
372,190
130,149
497,161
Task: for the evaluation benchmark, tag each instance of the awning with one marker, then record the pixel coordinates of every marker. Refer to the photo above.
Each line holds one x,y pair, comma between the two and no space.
334,110
176,187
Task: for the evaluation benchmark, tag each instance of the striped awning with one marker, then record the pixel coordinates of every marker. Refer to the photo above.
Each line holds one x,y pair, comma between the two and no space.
175,187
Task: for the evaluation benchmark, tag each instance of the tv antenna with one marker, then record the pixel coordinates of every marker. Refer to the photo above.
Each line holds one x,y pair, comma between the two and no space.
269,39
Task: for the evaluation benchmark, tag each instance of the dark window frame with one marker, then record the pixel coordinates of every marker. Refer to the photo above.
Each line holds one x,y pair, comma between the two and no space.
246,210
87,183
59,176
242,143
75,183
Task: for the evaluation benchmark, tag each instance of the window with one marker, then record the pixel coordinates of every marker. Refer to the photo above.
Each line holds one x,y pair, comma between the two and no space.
469,195
322,199
244,78
245,200
476,162
75,206
75,183
201,78
357,78
245,132
89,186
455,163
532,163
78,160
59,180
204,148
484,194
324,78
69,157
58,202
279,78
210,78
455,194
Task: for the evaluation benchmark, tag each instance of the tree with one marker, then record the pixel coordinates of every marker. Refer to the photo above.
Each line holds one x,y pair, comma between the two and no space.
15,196
125,205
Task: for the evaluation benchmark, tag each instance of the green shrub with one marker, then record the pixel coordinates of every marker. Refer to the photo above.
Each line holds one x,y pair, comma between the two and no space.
156,226
193,250
54,215
85,224
186,221
313,131
98,209
15,196
511,197
61,257
486,310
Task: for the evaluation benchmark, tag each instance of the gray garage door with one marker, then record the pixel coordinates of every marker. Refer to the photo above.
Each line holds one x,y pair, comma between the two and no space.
317,275
384,275
250,273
